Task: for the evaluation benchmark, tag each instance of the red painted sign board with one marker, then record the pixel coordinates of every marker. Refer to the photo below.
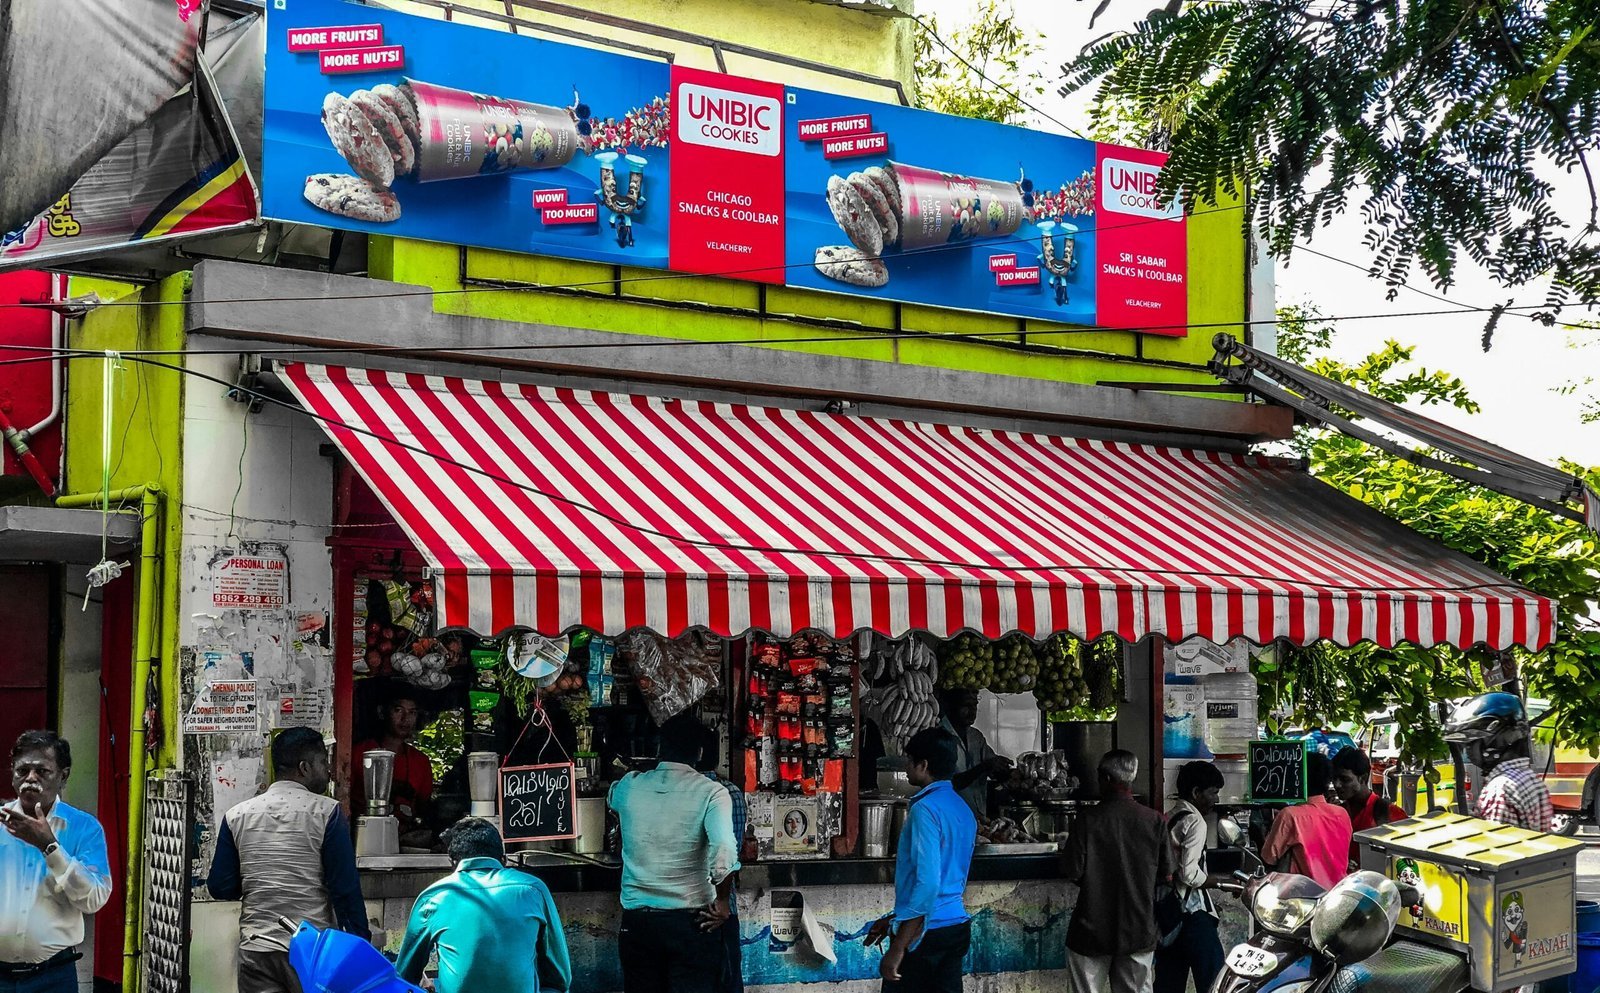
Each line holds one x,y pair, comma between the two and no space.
572,213
835,127
1142,250
1024,276
727,181
876,143
335,36
362,59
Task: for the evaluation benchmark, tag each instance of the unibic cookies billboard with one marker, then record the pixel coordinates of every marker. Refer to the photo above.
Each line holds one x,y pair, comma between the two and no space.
392,124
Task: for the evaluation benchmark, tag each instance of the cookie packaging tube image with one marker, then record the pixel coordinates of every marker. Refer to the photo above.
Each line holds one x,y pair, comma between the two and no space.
462,134
938,208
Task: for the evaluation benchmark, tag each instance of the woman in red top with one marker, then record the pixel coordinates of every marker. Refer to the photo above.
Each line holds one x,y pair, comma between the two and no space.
1352,784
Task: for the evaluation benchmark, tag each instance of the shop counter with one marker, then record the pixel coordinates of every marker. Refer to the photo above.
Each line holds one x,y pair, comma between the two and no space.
1019,904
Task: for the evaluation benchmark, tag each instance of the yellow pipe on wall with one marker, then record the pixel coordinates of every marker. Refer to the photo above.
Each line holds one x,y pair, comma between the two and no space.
149,496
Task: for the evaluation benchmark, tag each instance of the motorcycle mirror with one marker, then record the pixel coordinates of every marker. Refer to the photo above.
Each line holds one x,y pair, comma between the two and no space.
1229,833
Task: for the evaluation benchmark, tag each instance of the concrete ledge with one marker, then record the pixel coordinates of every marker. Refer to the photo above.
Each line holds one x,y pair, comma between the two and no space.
58,534
260,304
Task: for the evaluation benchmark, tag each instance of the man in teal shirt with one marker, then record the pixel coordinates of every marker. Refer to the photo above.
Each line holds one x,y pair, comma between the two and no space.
679,855
495,928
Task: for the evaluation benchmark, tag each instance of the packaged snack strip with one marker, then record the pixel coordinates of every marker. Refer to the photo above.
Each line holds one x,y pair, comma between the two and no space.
462,134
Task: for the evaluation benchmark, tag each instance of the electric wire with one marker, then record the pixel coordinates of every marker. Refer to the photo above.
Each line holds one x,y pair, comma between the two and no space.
633,343
963,246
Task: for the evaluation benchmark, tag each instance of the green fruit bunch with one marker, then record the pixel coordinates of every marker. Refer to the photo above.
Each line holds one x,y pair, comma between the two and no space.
1016,666
1102,670
1061,683
968,663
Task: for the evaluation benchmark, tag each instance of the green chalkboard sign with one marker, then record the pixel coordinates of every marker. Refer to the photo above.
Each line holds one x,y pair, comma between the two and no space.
1277,771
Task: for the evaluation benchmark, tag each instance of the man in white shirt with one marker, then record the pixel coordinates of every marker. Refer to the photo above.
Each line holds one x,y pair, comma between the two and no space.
679,855
53,870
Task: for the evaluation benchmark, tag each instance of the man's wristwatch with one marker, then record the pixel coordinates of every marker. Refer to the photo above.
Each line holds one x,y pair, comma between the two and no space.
50,848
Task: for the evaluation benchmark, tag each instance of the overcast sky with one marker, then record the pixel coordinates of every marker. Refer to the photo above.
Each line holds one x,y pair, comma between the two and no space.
1515,382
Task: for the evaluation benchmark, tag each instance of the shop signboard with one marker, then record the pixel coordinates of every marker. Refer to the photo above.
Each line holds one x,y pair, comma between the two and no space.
446,132
1277,771
539,802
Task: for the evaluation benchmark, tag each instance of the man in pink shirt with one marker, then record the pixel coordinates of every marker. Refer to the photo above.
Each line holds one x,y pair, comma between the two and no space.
1312,838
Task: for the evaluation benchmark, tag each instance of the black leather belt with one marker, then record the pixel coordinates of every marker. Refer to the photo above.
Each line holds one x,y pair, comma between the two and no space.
64,957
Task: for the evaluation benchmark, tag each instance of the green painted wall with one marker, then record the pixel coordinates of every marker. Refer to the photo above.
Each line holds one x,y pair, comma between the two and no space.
146,410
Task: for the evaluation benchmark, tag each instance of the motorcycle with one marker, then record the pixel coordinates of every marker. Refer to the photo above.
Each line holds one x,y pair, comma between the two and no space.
330,961
1313,940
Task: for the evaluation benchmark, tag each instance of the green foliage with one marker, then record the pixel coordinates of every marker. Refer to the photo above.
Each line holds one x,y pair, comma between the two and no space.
1440,119
441,741
1550,555
996,46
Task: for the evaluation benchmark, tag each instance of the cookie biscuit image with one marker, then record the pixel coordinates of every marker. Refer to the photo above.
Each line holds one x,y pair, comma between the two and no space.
387,123
854,216
357,140
851,265
890,187
404,107
352,197
873,195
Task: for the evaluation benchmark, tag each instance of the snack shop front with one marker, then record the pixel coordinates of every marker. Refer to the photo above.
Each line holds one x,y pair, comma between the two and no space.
547,572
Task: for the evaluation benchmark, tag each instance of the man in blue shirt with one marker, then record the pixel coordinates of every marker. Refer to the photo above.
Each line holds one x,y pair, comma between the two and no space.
929,930
53,870
678,860
495,928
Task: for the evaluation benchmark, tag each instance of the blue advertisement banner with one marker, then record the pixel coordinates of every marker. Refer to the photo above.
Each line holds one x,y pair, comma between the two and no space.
392,124
463,135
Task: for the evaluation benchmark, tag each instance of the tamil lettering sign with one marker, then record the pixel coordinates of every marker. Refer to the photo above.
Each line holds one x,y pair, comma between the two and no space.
1277,771
392,124
538,802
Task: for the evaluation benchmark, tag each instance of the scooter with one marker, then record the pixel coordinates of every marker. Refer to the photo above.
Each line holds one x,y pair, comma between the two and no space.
1311,940
331,961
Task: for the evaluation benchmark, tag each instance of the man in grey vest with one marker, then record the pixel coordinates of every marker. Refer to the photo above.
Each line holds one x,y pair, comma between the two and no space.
287,853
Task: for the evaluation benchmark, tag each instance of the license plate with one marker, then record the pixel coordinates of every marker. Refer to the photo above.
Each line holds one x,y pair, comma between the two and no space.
1250,961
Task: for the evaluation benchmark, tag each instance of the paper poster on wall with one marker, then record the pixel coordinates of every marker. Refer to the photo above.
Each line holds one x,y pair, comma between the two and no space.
465,135
223,706
1184,721
251,581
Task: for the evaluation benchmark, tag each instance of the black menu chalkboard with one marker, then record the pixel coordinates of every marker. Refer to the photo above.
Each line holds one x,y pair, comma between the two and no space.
1277,771
538,802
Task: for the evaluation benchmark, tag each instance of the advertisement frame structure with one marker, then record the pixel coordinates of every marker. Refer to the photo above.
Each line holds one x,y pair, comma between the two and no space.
374,122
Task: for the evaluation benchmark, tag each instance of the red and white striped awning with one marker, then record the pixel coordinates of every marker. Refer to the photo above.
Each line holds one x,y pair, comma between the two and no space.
556,508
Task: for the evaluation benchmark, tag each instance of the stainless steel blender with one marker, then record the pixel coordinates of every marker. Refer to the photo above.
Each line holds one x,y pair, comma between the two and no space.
377,829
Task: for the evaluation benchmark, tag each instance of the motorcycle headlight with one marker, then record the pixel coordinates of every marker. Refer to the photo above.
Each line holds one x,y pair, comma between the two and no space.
1283,903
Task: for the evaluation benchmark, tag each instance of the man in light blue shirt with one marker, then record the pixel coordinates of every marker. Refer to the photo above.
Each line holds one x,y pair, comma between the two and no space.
678,859
495,928
929,930
53,870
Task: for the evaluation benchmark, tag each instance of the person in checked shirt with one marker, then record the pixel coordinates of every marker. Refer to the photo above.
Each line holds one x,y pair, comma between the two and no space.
53,871
1491,731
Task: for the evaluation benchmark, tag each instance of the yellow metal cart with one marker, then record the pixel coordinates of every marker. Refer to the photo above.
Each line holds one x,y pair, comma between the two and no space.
1499,895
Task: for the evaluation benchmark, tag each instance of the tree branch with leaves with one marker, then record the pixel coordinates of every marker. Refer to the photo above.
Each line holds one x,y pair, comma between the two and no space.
1550,555
1440,121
